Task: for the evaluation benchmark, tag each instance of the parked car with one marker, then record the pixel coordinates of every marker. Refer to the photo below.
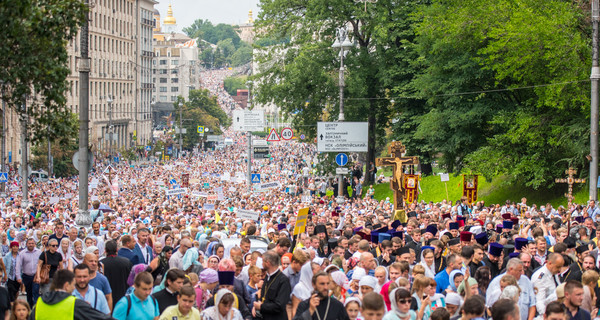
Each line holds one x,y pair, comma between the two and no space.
39,175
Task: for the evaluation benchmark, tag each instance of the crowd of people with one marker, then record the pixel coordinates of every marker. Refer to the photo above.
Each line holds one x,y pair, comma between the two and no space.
220,248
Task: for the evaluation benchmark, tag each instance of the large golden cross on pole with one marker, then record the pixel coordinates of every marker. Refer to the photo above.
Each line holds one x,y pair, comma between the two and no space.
396,159
570,180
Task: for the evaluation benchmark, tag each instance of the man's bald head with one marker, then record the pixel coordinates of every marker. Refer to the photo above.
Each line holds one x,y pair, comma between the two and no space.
367,261
554,262
184,245
91,260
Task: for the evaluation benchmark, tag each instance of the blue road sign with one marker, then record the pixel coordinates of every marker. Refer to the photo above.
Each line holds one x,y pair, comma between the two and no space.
148,148
302,137
172,181
255,178
341,159
116,159
3,177
10,157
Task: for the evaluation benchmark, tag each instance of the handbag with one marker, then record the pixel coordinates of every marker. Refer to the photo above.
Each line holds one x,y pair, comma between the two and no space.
45,272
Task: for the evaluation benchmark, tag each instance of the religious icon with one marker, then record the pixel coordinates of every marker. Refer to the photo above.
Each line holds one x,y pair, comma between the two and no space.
410,183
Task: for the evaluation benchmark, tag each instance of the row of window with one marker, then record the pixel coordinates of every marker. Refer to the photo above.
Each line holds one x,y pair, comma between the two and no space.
172,98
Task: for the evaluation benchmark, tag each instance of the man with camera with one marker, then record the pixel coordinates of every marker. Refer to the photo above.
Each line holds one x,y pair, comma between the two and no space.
320,306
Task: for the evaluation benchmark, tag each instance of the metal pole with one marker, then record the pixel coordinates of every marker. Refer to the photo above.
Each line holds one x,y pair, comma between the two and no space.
595,76
111,131
180,130
24,162
50,165
341,115
249,161
83,217
3,159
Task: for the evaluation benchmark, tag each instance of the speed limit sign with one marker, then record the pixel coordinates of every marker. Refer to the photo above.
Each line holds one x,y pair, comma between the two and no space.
287,134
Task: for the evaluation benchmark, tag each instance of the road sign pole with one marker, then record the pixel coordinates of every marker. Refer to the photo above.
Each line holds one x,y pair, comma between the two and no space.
249,161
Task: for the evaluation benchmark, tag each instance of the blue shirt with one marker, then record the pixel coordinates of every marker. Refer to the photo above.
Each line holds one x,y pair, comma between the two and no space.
100,282
443,281
526,299
140,310
95,298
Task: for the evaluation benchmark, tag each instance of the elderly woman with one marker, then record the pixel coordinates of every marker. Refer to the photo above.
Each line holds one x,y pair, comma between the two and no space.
223,308
50,259
66,253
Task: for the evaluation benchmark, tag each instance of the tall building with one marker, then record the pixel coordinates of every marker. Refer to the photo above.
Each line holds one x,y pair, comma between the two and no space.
176,66
120,50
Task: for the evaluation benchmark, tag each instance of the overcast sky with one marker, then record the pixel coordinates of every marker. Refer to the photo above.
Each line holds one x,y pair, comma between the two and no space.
217,11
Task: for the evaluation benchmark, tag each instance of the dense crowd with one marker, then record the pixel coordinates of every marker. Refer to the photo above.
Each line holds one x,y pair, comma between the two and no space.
219,248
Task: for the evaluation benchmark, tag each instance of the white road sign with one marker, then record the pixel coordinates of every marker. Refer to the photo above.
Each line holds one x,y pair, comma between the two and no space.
342,136
248,120
341,170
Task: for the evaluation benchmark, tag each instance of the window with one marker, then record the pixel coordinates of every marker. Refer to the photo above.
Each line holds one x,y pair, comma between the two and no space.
174,71
175,62
173,98
163,71
163,98
163,89
174,89
175,80
163,80
163,62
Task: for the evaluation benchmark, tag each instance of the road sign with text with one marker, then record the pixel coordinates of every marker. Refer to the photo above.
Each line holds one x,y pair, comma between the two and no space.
342,136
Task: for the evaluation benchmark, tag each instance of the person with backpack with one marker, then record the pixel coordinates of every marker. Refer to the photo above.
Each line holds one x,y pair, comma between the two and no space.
140,305
59,302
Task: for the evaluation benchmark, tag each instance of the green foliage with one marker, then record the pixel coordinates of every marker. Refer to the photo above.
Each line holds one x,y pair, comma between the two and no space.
241,56
232,84
62,150
205,30
202,109
34,60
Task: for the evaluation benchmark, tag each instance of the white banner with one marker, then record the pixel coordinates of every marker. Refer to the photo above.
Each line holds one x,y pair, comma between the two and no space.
269,185
248,214
174,192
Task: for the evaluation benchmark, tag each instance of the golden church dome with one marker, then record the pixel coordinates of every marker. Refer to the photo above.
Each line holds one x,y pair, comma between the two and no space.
170,19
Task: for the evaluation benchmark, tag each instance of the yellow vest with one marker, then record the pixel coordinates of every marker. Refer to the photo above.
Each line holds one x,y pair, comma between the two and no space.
65,308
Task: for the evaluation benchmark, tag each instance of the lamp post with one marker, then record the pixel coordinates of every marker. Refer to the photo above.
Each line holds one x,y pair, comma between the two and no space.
343,43
180,129
594,77
111,135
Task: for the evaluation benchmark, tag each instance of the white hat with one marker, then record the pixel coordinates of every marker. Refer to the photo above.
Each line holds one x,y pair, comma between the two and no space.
453,298
369,281
270,230
358,273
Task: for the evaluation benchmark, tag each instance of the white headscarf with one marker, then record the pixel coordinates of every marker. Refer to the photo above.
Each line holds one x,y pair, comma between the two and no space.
304,288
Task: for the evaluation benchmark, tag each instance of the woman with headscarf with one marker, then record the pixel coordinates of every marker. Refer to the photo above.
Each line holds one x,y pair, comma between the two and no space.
66,253
77,254
135,270
401,300
213,262
456,278
208,280
339,285
304,288
160,263
4,244
428,261
223,308
191,262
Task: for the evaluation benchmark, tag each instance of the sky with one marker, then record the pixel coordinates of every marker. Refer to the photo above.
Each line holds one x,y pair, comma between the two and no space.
216,11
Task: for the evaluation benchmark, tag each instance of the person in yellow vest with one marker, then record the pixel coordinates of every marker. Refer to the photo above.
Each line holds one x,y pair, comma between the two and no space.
60,304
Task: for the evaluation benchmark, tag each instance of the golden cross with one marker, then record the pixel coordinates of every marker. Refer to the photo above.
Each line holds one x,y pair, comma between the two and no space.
570,180
398,161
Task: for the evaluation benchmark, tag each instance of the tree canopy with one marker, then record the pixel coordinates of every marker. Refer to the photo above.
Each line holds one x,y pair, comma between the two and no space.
494,88
34,60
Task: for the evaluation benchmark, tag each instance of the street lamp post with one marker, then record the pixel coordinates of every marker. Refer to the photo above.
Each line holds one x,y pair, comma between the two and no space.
343,43
180,129
111,135
594,77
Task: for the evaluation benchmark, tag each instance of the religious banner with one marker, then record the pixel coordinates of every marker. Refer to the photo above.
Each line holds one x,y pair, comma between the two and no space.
185,180
411,187
470,184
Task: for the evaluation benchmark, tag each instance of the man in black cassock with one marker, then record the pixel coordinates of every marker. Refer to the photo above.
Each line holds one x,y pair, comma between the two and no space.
320,306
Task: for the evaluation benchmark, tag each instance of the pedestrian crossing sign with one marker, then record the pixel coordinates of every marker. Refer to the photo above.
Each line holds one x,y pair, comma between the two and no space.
3,177
255,178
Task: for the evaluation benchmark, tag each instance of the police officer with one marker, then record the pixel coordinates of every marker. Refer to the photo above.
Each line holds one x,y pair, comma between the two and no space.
545,281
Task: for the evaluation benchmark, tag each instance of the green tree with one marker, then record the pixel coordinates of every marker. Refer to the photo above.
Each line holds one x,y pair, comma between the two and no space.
300,76
34,60
62,150
232,84
468,50
201,109
241,56
205,30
